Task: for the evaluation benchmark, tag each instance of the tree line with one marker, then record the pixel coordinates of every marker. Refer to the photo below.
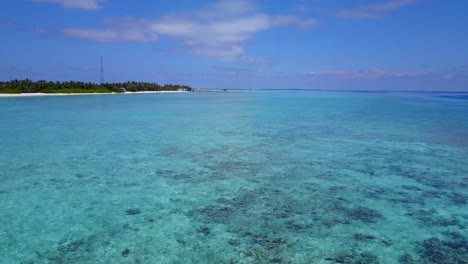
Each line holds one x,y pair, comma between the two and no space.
28,86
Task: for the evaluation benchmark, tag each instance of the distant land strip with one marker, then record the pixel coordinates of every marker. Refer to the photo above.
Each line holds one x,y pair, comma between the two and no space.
71,87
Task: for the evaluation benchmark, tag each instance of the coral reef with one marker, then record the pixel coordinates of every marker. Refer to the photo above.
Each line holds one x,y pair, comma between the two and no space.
434,250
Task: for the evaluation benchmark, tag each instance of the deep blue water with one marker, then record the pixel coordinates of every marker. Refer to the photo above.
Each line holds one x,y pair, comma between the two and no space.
234,177
461,97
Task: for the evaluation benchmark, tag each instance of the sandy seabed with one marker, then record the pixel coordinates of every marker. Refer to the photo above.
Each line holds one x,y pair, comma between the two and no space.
291,177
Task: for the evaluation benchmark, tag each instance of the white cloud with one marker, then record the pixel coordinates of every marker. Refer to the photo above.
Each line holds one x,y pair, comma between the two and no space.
374,10
217,31
81,4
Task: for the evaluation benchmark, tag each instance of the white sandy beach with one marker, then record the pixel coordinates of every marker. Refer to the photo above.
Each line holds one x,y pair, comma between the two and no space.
68,94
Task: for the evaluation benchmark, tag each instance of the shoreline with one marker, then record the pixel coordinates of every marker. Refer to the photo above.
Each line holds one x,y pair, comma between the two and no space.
72,94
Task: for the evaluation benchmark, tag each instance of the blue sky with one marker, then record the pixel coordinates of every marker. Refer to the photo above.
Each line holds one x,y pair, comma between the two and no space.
315,44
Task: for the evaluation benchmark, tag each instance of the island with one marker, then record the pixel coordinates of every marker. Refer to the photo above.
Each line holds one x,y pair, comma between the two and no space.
72,87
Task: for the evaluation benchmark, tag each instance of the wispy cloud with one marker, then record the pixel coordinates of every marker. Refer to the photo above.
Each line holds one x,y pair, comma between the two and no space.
257,61
374,10
13,24
365,74
455,73
219,31
81,4
451,74
82,69
302,8
118,30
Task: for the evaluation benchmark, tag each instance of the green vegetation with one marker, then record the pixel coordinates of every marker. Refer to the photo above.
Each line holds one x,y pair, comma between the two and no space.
28,86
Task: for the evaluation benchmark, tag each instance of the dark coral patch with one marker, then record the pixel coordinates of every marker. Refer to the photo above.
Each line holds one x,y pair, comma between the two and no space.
406,259
353,258
204,230
364,214
448,251
125,252
363,237
133,211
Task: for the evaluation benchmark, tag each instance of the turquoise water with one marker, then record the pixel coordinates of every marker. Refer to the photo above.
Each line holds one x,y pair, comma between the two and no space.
234,177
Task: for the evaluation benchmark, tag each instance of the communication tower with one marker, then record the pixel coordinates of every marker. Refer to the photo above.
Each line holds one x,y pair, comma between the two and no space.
102,72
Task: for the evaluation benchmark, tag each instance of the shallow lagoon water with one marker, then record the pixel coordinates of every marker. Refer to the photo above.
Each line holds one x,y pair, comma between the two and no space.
235,177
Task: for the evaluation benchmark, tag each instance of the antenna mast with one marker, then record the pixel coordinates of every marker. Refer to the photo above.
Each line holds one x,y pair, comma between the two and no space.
102,72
